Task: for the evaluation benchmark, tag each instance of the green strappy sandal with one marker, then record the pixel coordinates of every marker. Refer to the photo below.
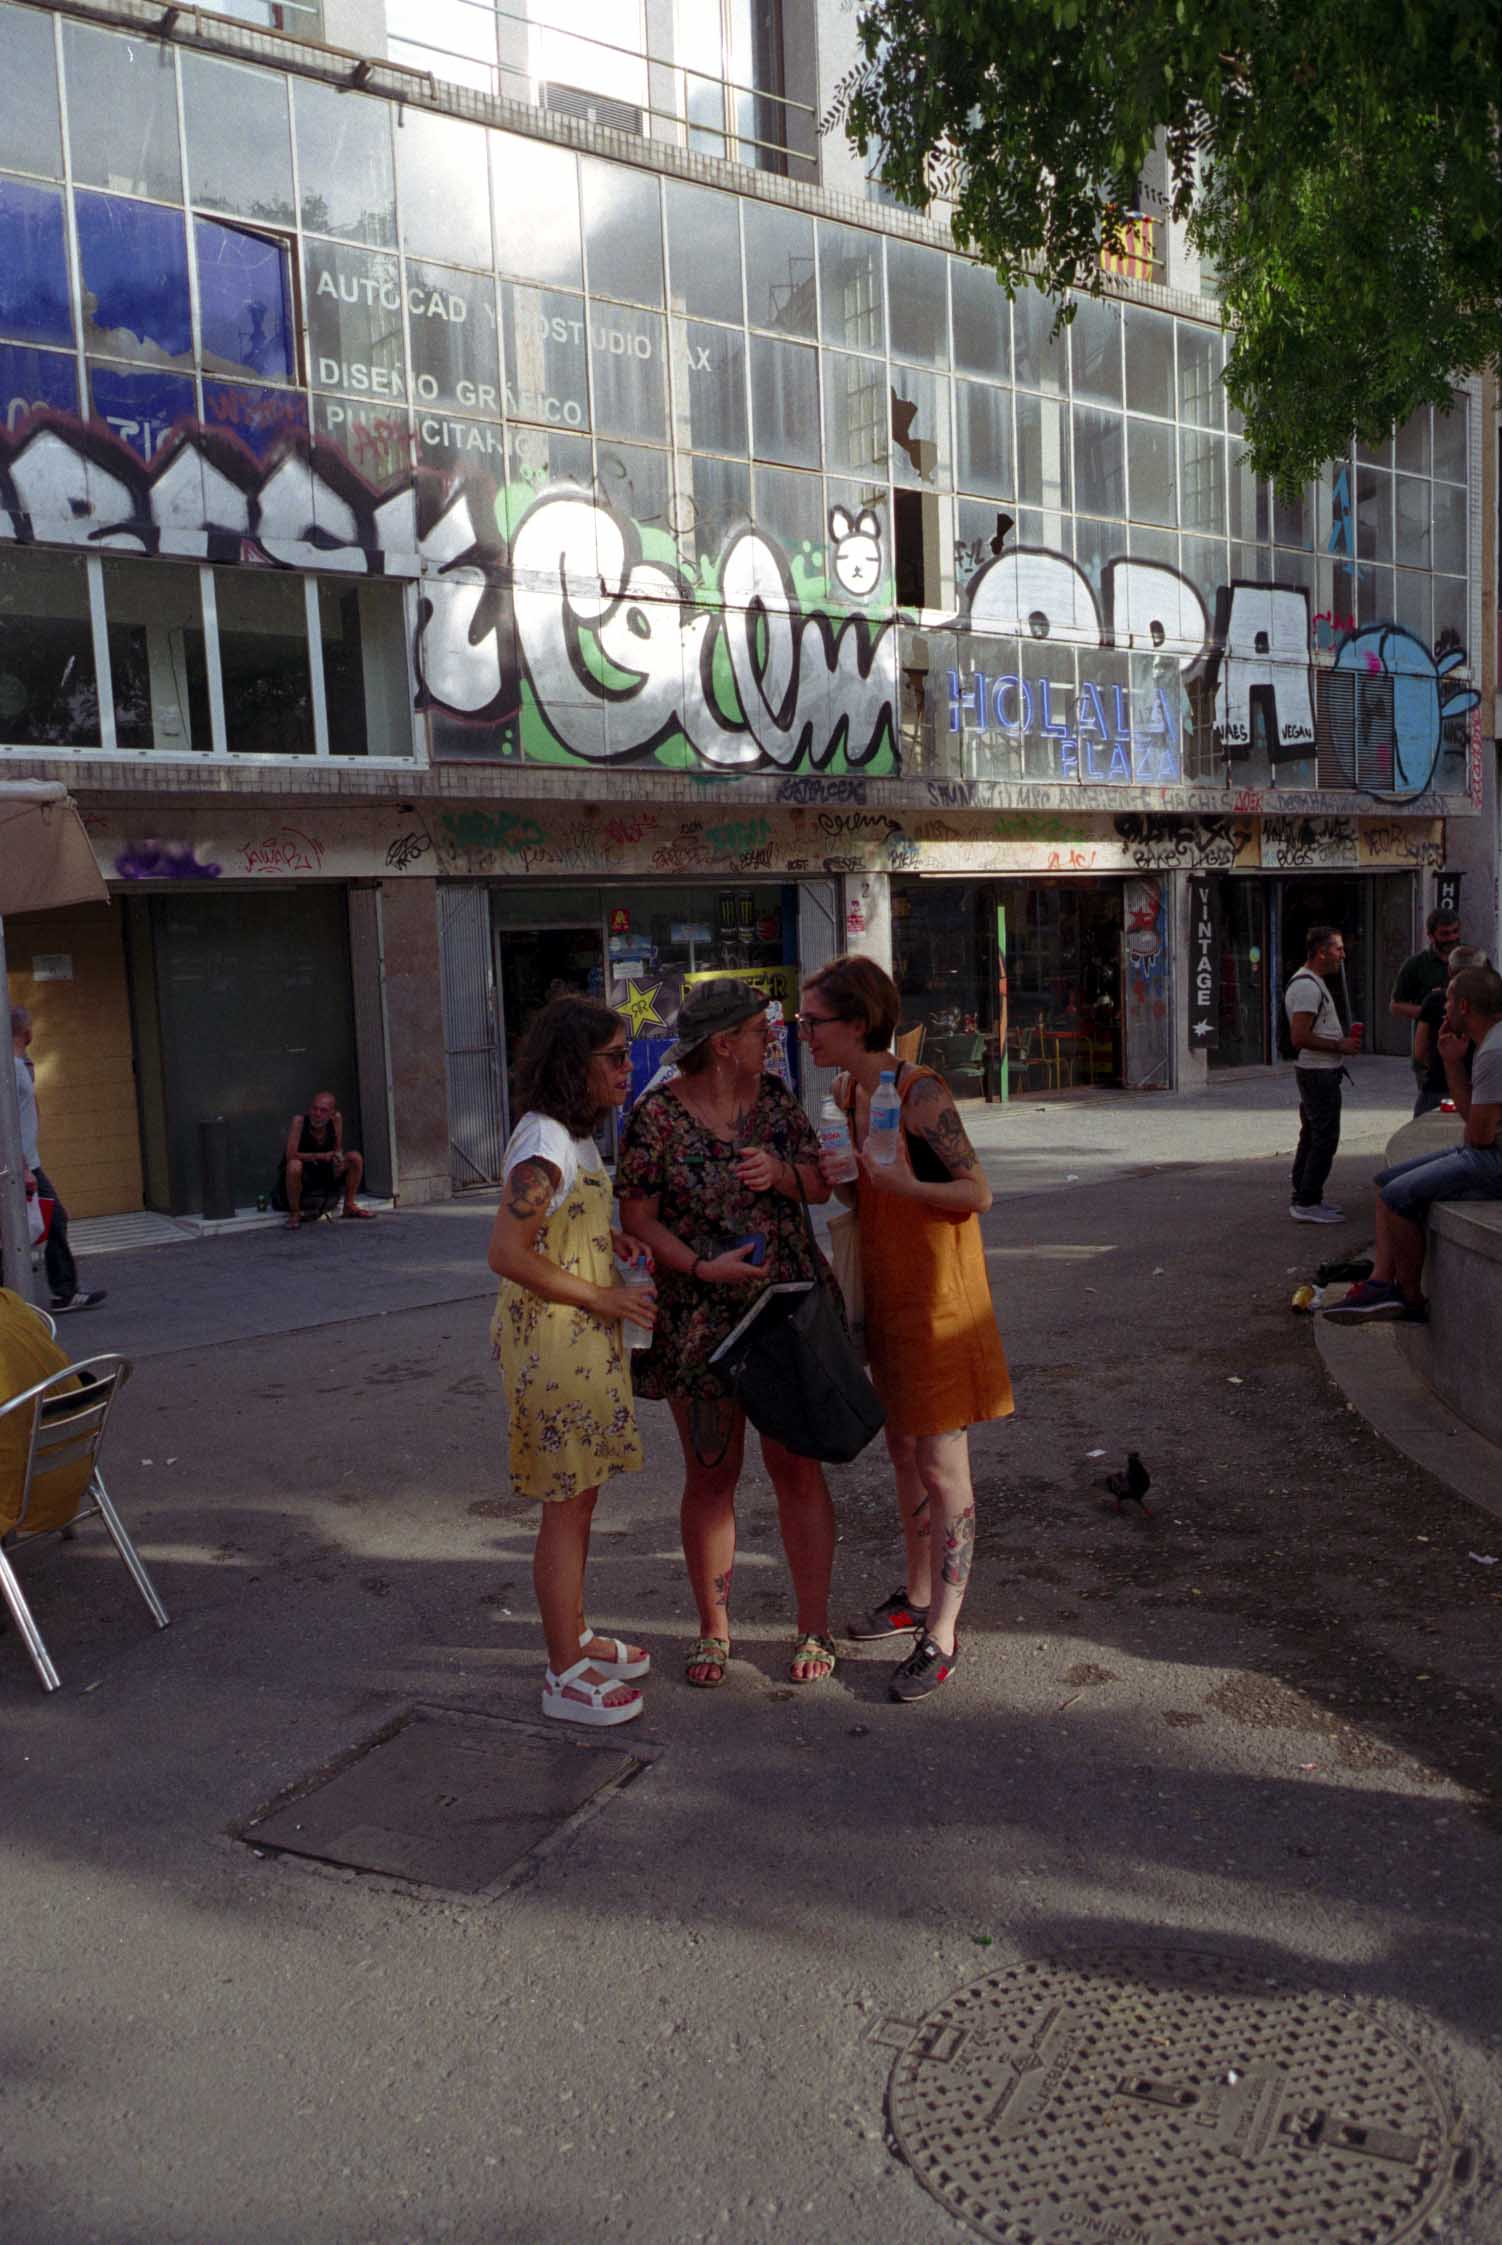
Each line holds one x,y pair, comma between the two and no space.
707,1652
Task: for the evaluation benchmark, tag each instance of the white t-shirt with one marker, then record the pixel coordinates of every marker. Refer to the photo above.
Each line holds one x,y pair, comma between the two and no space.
539,1138
1306,993
26,1100
1486,1070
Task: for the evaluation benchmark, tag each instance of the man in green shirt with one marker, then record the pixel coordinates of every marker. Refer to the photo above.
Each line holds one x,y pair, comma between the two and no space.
1427,970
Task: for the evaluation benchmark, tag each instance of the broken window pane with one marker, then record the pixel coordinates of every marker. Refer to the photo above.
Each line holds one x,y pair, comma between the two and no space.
158,671
49,697
135,281
263,657
245,308
365,684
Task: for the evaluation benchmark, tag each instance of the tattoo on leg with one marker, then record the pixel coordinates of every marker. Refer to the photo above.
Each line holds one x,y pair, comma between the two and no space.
919,1512
959,1549
722,1588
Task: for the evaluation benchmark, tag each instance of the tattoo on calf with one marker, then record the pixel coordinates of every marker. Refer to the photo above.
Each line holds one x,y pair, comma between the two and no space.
959,1549
920,1509
529,1188
722,1588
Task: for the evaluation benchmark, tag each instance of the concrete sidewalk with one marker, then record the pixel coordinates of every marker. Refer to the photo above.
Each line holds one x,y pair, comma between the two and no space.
1262,1726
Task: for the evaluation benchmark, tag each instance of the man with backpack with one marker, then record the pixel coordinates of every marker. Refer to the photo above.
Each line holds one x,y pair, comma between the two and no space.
1321,1048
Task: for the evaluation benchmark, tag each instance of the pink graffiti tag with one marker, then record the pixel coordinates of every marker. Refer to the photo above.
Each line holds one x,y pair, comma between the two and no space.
287,851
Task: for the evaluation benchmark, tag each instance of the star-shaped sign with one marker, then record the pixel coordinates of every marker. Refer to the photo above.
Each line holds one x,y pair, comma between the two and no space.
640,1008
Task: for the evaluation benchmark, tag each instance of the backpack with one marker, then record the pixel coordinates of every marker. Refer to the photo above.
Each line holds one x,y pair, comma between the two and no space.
1286,1049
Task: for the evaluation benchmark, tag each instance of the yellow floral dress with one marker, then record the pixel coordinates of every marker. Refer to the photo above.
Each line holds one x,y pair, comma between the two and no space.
572,1420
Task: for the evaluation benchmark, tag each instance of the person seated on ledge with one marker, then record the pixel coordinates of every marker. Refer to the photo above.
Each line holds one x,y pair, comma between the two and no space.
1470,1171
314,1155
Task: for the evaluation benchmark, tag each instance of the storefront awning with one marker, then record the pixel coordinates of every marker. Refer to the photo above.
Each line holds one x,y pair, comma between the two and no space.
45,858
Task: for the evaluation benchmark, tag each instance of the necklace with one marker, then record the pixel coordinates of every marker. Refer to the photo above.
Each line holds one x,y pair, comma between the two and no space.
706,1108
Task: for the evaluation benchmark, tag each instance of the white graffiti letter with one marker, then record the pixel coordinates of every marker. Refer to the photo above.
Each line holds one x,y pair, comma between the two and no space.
1034,595
1155,608
1267,649
462,672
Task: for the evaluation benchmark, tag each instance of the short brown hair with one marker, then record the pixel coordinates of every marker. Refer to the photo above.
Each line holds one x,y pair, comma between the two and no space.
859,990
1480,987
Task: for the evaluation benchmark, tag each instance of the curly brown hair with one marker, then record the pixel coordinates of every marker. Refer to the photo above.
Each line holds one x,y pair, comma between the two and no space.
552,1067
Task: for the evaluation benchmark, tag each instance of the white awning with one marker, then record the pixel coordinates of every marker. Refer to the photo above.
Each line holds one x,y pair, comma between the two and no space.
45,857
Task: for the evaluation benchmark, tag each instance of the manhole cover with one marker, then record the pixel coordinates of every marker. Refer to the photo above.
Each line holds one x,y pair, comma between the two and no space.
1162,2099
445,1800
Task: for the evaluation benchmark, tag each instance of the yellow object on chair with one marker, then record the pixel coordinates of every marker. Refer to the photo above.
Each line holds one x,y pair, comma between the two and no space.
28,1355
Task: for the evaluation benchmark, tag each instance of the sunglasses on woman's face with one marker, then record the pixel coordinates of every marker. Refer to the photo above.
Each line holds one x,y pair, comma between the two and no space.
615,1056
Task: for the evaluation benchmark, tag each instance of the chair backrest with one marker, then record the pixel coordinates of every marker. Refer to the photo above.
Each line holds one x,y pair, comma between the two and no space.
70,1411
910,1044
49,1324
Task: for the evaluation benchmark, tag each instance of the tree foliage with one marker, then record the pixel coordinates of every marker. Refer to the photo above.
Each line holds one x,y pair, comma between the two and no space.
1337,163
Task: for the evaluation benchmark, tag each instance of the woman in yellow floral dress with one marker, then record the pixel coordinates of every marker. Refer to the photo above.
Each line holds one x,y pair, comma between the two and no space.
558,1334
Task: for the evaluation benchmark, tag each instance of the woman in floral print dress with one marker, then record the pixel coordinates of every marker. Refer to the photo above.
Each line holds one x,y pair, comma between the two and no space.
711,1161
557,1331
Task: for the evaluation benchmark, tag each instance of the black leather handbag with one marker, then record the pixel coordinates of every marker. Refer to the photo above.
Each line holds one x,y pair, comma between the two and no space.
793,1369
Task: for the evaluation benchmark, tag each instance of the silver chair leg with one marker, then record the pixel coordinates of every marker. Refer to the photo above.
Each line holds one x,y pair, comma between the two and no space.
15,1598
127,1550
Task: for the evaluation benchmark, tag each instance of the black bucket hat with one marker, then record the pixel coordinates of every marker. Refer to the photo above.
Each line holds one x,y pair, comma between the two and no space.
712,1008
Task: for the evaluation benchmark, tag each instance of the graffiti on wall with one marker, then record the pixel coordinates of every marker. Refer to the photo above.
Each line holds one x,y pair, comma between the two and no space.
554,627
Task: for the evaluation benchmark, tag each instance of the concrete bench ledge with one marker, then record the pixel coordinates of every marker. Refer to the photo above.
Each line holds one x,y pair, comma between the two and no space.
1459,1352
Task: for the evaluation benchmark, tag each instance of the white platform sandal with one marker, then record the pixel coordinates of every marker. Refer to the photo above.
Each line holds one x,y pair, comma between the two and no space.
619,1667
570,1700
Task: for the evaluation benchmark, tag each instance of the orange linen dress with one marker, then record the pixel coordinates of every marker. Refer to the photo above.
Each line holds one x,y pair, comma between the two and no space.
935,1352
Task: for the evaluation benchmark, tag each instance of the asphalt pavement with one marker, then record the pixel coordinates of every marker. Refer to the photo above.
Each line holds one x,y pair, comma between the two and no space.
1262,1725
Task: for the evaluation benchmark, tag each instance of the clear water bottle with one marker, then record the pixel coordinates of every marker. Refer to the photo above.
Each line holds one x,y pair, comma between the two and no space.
834,1143
886,1119
635,1274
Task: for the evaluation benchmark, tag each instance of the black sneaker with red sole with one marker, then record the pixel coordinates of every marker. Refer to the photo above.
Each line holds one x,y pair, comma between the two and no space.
896,1616
927,1667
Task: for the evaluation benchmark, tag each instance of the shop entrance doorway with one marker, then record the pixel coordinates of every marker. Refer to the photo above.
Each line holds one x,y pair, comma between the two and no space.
537,964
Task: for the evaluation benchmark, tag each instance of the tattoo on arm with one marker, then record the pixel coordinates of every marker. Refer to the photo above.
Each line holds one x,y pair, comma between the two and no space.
959,1549
529,1188
937,1120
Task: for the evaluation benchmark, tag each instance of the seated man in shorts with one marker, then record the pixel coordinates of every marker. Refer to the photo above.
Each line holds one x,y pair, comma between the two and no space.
1470,1171
314,1163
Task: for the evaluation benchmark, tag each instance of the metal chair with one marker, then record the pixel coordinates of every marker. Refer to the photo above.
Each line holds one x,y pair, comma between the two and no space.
909,1045
70,1411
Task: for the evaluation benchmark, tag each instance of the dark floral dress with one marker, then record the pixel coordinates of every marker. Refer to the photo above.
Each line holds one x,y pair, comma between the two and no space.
668,1153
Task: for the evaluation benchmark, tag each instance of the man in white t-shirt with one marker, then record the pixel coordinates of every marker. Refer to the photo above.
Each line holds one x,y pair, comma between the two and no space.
1320,1051
1470,1171
62,1271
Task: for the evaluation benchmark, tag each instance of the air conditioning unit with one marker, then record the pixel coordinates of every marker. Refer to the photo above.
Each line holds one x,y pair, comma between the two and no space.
595,109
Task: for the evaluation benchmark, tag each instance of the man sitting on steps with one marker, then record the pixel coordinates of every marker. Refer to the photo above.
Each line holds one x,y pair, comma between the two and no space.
314,1160
1470,1171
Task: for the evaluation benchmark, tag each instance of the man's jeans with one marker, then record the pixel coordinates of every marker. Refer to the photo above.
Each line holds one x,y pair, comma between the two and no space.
62,1271
1319,1132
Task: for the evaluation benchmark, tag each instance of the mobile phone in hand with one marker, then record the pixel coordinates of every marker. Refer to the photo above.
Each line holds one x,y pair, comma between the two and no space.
757,1242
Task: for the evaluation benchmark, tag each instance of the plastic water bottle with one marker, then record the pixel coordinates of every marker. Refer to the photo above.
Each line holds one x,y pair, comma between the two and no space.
635,1274
834,1142
886,1120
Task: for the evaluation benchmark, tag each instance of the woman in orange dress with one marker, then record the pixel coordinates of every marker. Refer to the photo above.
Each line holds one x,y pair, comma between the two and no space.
936,1355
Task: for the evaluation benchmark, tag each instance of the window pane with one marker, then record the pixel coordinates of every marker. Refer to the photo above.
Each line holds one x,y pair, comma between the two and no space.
1200,393
780,290
785,401
541,458
122,111
1413,606
265,421
1149,361
32,381
622,232
1293,519
1095,351
157,668
141,408
1413,521
376,439
239,149
544,335
714,501
977,537
1150,471
354,321
1202,499
30,137
1042,452
857,414
850,290
536,194
1450,442
34,305
1450,611
704,252
444,188
1449,548
1412,443
1378,455
628,373
344,164
916,291
1099,477
455,349
245,309
790,510
982,322
1373,515
1250,515
983,432
135,280
263,656
1042,358
636,484
709,387
364,668
920,428
50,697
